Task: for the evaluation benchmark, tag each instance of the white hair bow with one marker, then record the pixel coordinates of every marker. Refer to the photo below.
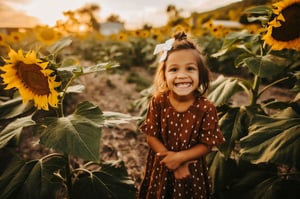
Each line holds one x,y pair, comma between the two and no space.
164,47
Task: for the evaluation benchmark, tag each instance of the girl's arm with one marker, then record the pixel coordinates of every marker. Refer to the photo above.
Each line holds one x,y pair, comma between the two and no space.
172,160
194,152
156,144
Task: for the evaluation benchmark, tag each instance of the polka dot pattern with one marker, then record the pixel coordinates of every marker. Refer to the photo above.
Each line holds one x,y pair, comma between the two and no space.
179,131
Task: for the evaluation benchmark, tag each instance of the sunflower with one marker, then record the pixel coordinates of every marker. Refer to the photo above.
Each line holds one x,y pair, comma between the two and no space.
122,36
284,30
46,35
15,37
3,39
31,77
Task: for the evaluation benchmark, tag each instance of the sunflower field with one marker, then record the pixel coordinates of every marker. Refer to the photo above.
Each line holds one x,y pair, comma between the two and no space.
42,71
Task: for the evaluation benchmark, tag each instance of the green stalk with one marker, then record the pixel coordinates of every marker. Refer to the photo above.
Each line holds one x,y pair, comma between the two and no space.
255,89
257,79
64,94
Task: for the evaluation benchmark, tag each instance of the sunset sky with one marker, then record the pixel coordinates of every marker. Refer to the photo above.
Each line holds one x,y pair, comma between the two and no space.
26,13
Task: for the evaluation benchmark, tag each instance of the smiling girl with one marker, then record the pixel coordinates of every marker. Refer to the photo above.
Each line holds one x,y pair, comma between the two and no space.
181,125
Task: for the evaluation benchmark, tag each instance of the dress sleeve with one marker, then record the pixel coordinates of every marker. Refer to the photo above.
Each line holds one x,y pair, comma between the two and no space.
151,125
210,132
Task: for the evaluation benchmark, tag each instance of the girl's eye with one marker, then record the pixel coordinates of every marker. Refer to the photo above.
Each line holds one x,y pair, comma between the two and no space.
191,68
172,69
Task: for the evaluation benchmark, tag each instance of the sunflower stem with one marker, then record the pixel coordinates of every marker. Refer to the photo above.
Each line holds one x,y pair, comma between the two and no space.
255,89
64,94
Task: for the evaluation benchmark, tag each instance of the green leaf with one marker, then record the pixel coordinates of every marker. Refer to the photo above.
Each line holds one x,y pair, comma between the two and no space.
235,38
114,118
239,60
277,188
275,140
233,125
260,13
80,70
9,179
222,171
274,104
34,179
13,108
248,177
296,87
76,89
77,134
99,67
58,46
259,10
266,66
14,129
112,181
222,89
69,62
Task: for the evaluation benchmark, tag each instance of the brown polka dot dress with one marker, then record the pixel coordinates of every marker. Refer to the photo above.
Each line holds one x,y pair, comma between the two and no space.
179,131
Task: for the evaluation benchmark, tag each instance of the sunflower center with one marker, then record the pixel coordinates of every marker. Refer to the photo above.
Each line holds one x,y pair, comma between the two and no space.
33,78
290,28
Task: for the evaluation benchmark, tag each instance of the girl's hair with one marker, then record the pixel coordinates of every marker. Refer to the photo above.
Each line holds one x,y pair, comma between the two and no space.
182,42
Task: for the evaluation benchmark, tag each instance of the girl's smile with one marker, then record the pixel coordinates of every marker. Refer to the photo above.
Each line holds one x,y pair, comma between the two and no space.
182,73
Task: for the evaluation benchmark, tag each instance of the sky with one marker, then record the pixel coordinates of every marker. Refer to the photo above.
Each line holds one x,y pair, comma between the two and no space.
135,13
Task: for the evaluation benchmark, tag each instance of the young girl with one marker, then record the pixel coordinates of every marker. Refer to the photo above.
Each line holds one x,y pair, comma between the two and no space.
181,125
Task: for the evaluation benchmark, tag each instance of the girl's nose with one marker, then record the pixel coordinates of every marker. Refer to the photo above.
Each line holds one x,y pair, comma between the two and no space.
181,74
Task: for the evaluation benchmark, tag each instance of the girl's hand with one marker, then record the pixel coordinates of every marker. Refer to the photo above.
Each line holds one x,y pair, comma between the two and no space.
172,160
183,171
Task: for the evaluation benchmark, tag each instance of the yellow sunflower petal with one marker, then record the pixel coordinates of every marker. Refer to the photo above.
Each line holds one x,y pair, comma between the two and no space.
280,17
284,31
31,77
31,57
53,99
275,23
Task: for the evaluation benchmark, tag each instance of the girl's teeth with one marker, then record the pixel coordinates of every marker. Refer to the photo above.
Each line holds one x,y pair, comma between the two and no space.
182,85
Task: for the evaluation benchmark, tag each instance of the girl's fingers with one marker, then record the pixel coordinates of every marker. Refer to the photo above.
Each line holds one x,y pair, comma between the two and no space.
162,154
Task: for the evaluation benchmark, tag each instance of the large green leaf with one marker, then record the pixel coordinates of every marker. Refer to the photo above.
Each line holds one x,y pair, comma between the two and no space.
222,89
81,70
266,66
77,134
112,118
248,177
275,140
32,180
111,181
14,129
11,178
236,38
99,67
13,108
234,125
261,13
221,171
277,188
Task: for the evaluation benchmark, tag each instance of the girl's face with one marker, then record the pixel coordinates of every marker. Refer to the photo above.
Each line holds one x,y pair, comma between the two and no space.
182,72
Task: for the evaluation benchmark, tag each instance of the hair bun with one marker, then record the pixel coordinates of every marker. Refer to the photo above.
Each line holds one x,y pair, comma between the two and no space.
180,36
